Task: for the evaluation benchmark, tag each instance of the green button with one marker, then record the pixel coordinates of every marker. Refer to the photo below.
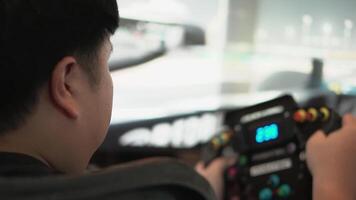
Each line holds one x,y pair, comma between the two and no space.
284,191
243,160
265,194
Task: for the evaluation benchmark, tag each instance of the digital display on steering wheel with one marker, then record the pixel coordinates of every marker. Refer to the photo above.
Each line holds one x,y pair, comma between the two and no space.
267,133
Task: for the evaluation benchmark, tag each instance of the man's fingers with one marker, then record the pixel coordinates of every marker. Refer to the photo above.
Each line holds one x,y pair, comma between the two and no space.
223,162
316,138
200,167
348,120
219,164
230,161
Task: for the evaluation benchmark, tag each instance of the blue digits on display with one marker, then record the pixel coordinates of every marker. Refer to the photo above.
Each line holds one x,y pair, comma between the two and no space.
267,133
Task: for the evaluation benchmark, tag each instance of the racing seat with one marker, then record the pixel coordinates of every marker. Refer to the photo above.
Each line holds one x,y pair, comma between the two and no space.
156,179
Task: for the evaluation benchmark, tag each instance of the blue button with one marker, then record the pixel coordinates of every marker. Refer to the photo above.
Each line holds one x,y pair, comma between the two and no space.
266,194
274,181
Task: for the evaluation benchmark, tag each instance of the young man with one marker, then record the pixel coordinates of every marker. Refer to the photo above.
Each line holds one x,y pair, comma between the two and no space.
56,96
56,89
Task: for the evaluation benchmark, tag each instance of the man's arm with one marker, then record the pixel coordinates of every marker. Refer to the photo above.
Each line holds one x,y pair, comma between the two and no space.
214,174
332,162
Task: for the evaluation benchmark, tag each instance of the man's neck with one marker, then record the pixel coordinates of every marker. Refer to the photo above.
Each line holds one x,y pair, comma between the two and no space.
14,143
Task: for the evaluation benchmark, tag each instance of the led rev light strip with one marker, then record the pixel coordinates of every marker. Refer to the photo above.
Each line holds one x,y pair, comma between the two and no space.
270,167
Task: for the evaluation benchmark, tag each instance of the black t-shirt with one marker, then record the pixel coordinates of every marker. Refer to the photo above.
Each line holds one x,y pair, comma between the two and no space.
152,181
20,165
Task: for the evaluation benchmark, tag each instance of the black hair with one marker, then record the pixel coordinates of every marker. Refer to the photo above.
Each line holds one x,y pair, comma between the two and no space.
37,34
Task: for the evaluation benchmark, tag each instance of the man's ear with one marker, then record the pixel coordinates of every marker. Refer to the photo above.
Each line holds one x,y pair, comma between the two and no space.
62,86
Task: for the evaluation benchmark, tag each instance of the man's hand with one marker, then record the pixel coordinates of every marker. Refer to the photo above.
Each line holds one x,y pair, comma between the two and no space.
214,174
332,162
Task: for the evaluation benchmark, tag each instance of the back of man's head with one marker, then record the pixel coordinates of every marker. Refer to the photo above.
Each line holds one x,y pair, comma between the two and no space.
37,34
